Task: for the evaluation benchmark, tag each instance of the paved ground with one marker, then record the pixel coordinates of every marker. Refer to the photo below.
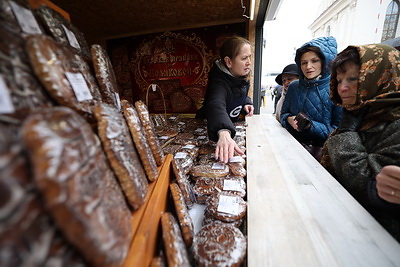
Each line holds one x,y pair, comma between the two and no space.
269,106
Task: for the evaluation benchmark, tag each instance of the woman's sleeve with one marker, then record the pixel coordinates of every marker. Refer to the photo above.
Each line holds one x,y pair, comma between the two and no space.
217,117
285,111
354,165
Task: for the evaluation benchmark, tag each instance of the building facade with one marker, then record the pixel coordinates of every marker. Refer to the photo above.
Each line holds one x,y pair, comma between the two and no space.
357,21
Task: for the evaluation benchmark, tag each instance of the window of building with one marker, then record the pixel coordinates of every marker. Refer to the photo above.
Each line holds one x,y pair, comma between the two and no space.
391,20
328,31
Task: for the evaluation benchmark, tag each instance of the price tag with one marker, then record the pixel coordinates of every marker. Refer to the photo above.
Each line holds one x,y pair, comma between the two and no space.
25,19
71,38
164,137
180,155
218,166
232,185
239,127
189,146
153,87
235,159
118,100
79,86
241,133
172,118
201,137
6,105
228,204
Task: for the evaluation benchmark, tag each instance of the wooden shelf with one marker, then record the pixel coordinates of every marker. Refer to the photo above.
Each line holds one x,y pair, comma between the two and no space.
146,220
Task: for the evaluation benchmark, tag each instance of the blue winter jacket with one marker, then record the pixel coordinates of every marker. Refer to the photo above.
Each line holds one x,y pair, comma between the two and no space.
312,98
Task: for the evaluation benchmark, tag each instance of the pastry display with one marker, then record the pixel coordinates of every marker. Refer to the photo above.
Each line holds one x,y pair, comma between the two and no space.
122,154
185,221
176,252
219,244
155,146
82,196
139,138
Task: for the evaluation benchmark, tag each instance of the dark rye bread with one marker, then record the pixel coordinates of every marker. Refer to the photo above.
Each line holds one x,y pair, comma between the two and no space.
51,61
79,189
151,136
219,244
185,221
25,226
121,153
105,75
139,138
24,89
175,249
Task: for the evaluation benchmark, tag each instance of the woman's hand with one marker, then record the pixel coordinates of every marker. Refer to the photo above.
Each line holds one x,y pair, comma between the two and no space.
291,120
388,184
226,147
249,110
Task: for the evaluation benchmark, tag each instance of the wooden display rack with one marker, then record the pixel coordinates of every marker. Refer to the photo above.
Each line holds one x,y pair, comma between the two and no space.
146,220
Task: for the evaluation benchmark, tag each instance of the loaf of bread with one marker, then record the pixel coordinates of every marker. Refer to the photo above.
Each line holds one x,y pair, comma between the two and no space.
51,61
210,219
25,226
121,153
105,75
210,170
151,136
184,184
176,252
139,138
82,196
185,221
25,92
219,244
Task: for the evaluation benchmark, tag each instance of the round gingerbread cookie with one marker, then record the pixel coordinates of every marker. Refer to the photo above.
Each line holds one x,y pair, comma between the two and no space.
219,244
226,206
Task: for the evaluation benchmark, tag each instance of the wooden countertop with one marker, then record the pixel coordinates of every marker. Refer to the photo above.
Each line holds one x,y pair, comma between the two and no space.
298,214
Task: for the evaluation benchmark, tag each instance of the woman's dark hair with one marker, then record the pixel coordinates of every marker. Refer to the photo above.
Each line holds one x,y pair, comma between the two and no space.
314,49
231,47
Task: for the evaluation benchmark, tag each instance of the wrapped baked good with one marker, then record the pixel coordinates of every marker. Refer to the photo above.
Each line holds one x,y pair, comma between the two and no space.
237,166
176,252
207,149
183,183
62,30
219,244
66,77
151,136
105,75
184,160
205,187
206,159
217,169
210,219
185,221
25,226
171,149
139,138
121,153
226,206
185,138
83,195
22,92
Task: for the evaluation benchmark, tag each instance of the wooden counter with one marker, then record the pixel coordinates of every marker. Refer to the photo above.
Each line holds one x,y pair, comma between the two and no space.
298,214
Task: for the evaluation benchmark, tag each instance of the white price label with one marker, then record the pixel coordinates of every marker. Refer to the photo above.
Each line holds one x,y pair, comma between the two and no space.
180,155
232,185
71,38
218,166
236,159
6,105
189,146
25,19
153,87
228,204
118,100
79,86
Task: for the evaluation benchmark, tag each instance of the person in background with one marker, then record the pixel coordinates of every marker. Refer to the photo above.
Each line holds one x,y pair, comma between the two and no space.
365,82
278,94
308,112
262,95
288,75
227,95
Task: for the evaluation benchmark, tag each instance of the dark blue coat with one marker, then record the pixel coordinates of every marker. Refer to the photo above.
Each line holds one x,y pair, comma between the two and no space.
312,98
